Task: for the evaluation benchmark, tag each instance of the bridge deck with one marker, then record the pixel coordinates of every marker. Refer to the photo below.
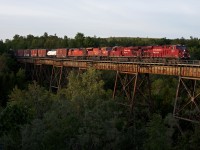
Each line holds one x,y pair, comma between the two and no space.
191,70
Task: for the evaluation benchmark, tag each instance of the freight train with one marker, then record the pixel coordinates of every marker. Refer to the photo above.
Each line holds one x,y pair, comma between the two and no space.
132,53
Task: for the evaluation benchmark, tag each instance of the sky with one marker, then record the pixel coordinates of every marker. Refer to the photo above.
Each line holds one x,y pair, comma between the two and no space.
102,18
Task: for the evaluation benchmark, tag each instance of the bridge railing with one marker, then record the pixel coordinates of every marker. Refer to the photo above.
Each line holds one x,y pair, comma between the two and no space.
156,60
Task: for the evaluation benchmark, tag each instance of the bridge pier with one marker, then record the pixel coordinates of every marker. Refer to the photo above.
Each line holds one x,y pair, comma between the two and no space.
56,76
28,67
40,73
36,74
187,104
51,76
33,71
135,87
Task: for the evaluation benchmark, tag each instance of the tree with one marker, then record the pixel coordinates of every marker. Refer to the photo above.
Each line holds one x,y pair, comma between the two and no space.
2,47
36,98
80,117
12,118
57,130
79,38
72,43
23,107
45,35
65,42
7,77
21,79
158,137
89,42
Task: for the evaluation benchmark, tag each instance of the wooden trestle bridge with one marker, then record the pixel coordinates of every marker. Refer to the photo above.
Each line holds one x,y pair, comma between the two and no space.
131,75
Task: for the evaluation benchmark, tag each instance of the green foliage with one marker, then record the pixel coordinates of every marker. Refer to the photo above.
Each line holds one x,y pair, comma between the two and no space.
91,42
20,78
189,139
195,52
195,138
56,130
2,47
79,39
12,117
92,91
8,79
158,135
11,120
61,123
72,119
163,93
7,63
82,116
23,107
35,98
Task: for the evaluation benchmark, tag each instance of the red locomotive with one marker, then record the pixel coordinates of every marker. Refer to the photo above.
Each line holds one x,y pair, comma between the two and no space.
169,51
117,52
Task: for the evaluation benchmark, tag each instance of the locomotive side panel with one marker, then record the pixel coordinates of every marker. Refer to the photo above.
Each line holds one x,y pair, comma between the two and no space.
158,52
116,51
129,52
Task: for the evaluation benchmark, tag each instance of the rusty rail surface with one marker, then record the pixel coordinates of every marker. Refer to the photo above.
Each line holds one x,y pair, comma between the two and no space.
189,69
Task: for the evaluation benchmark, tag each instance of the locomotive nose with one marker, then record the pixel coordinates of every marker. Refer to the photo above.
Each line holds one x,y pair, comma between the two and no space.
185,54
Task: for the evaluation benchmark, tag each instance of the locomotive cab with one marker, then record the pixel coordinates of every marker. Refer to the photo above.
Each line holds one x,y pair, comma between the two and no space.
183,52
